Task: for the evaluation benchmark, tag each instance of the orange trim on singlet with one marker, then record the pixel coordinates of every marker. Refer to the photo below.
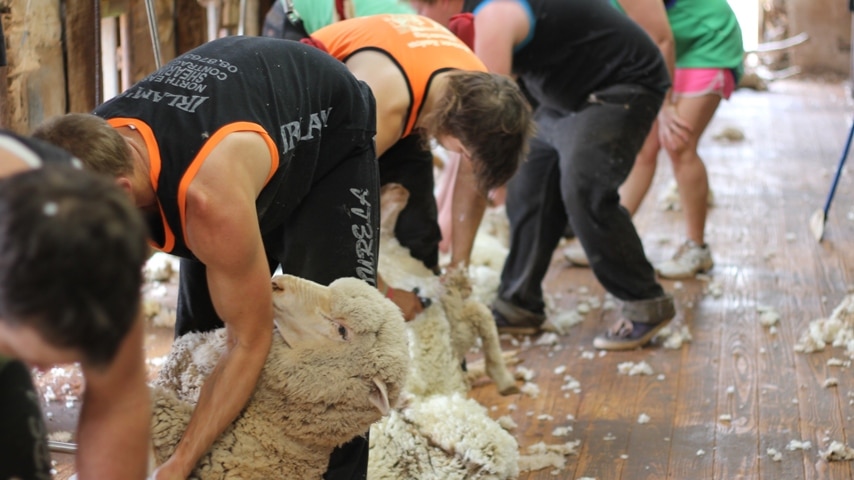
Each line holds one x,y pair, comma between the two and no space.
154,166
419,47
207,148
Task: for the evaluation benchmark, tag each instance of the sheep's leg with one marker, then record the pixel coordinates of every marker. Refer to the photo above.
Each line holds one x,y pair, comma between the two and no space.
492,354
476,369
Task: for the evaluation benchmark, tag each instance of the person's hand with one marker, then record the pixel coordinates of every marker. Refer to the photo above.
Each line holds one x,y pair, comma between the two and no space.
673,131
170,470
408,302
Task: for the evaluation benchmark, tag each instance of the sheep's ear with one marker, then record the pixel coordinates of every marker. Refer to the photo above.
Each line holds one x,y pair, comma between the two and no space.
379,396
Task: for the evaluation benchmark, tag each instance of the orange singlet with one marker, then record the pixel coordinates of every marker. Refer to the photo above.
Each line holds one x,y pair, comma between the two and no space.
419,47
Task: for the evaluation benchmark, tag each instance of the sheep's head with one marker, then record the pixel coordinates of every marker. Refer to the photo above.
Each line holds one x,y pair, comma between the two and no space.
346,357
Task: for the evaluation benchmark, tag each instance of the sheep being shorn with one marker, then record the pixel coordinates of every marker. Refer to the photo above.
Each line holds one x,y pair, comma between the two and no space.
439,433
451,326
337,365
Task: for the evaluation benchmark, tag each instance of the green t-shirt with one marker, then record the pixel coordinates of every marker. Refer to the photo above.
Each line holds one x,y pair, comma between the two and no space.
706,33
316,14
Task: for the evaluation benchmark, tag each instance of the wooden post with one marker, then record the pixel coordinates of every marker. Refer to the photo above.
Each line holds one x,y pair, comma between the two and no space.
35,86
82,34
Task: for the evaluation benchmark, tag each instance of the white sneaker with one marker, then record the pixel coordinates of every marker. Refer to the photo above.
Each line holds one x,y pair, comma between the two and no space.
575,255
689,260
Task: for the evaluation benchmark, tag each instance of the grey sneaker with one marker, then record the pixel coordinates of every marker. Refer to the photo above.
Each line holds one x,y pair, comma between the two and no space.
689,260
639,322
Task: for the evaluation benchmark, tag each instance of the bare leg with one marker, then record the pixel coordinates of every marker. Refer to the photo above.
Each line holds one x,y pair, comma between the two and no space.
688,167
636,185
443,199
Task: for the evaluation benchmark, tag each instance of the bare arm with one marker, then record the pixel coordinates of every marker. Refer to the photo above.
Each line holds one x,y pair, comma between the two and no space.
390,93
114,427
499,26
223,232
467,206
652,17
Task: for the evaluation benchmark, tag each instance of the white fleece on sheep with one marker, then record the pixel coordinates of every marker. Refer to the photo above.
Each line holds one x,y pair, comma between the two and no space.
439,438
309,398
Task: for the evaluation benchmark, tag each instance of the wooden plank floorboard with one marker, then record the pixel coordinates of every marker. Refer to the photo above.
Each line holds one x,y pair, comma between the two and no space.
696,402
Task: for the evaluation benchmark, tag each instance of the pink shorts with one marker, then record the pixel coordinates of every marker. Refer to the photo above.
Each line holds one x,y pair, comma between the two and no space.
696,82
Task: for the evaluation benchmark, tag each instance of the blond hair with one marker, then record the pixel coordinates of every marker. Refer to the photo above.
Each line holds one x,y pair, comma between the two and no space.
91,139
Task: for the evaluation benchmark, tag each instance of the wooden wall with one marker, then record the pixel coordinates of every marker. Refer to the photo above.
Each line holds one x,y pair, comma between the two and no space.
54,49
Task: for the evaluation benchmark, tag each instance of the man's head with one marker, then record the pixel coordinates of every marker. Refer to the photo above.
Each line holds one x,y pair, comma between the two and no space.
91,139
72,247
491,119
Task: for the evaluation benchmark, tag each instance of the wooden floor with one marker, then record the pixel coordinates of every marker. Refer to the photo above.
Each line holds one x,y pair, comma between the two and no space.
765,189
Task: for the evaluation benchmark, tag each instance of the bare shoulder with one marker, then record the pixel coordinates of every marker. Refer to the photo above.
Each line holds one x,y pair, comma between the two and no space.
383,75
240,159
391,94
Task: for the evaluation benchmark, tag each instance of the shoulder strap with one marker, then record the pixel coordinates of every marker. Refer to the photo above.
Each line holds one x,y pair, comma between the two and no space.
293,17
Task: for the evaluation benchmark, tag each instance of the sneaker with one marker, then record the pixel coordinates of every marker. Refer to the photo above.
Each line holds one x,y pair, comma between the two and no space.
689,260
628,335
575,255
516,320
638,324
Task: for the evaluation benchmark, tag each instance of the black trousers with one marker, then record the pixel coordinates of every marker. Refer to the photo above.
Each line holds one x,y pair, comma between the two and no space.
576,164
409,162
23,441
333,233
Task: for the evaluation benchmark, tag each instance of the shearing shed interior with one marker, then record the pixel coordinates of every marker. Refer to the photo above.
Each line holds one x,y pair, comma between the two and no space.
751,380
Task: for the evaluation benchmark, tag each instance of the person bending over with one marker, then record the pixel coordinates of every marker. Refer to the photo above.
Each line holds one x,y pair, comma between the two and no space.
598,81
428,84
245,154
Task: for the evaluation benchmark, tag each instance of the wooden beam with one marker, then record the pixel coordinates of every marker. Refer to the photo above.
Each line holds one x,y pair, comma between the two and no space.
191,25
82,27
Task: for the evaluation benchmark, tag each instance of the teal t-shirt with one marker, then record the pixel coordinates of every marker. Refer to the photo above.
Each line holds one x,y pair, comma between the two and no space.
316,14
706,33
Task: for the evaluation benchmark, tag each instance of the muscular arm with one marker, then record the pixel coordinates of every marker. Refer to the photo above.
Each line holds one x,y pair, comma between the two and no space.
222,230
467,207
114,427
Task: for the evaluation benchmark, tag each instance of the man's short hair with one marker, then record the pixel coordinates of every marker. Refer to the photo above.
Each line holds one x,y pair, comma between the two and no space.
490,115
72,248
91,139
